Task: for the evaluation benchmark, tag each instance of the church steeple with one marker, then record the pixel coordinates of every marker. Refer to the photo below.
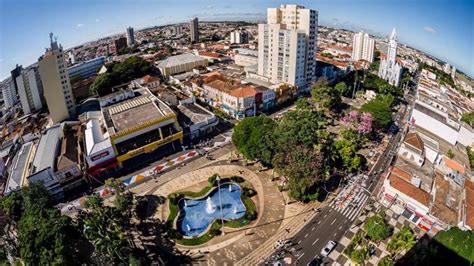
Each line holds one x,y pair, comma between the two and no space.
393,36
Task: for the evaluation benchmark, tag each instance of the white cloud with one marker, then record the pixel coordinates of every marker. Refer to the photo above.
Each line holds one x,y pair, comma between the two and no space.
79,25
429,29
97,20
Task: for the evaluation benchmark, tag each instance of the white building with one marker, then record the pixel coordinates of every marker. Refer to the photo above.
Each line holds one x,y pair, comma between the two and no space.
9,93
194,30
130,37
390,70
287,45
245,60
180,64
239,36
363,47
30,89
453,72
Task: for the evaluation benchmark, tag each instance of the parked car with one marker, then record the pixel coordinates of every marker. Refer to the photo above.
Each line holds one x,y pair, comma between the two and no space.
328,248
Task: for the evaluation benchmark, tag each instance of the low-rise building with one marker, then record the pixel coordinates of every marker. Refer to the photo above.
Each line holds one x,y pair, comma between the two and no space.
180,63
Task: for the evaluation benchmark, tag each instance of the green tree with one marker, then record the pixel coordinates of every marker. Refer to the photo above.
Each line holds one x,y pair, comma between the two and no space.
325,96
347,152
376,228
342,89
386,261
360,255
468,118
380,109
404,239
450,154
12,206
302,103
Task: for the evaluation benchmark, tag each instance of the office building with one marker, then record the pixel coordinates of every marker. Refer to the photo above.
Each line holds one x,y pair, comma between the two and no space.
9,93
363,47
287,45
119,45
14,74
86,69
30,89
239,37
56,83
194,30
390,70
130,37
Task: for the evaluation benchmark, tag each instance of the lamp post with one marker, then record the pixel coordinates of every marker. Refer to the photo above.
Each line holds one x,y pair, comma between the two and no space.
220,202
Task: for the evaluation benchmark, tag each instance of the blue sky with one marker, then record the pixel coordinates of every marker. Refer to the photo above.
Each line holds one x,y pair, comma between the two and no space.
442,28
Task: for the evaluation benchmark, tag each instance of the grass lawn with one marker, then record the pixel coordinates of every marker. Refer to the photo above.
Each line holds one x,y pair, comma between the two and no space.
202,239
198,194
460,242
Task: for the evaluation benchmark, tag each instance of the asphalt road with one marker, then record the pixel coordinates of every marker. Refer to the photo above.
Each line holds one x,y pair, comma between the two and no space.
330,224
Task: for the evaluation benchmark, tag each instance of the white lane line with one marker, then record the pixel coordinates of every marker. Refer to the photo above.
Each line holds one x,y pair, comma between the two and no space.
325,216
319,222
317,239
333,221
299,242
359,207
305,236
340,227
346,210
312,229
299,257
335,234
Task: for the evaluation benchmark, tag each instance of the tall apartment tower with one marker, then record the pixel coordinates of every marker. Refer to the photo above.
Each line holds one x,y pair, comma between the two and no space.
194,30
30,89
9,93
287,45
239,36
56,83
363,47
130,37
390,70
14,74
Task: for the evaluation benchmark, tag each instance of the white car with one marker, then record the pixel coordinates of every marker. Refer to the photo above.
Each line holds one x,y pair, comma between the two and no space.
328,248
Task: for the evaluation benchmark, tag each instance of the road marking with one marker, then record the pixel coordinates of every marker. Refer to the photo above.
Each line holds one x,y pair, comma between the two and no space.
299,242
317,239
299,257
305,236
312,229
335,234
319,222
333,221
325,216
340,227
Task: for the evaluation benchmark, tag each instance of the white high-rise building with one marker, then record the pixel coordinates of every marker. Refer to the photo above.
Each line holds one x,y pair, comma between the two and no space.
363,47
130,37
447,68
9,93
453,72
194,30
239,36
30,89
390,70
287,45
56,83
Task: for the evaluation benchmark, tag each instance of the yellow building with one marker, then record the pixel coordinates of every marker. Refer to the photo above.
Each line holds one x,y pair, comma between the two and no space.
141,124
56,83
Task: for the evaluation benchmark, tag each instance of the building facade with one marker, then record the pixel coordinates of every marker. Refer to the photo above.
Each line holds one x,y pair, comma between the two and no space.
9,93
287,45
194,30
56,83
30,89
239,37
390,70
363,47
86,69
119,45
130,37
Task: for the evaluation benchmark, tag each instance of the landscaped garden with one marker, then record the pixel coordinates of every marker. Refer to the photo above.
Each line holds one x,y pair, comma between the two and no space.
196,217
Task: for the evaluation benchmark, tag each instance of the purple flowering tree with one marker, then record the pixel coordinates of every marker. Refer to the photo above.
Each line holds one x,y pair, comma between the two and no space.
360,122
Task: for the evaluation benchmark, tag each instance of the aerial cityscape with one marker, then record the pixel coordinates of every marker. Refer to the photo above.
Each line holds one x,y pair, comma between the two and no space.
237,133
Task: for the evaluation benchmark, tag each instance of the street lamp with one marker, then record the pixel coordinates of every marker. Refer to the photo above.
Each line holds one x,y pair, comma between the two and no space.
220,202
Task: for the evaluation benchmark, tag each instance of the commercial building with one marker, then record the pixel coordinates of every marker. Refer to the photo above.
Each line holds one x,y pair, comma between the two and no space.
119,45
19,168
130,37
9,93
194,30
287,45
15,73
133,126
390,69
239,37
30,89
363,47
195,120
86,69
56,83
180,64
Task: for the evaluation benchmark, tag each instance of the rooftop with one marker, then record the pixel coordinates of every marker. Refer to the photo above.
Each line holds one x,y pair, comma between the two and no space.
194,114
469,185
134,111
179,60
447,201
47,148
69,149
19,168
405,187
406,170
414,140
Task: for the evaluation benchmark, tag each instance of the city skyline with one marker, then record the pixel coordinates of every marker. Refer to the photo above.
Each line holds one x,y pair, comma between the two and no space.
93,20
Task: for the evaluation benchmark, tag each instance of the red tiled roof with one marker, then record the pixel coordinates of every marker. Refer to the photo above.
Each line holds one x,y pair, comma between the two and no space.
454,165
401,173
414,140
469,203
210,54
148,79
408,189
244,92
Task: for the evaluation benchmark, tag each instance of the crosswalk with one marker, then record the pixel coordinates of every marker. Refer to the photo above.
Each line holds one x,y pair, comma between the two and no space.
351,209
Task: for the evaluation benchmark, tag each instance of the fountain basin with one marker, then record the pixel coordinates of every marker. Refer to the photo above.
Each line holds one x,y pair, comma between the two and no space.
196,215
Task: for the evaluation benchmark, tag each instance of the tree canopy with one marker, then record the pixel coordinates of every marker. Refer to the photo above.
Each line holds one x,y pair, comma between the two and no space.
325,96
119,73
377,228
380,109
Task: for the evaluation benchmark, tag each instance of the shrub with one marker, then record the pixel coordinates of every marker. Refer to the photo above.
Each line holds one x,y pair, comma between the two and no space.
237,179
174,198
251,215
376,228
386,261
360,255
213,180
248,192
